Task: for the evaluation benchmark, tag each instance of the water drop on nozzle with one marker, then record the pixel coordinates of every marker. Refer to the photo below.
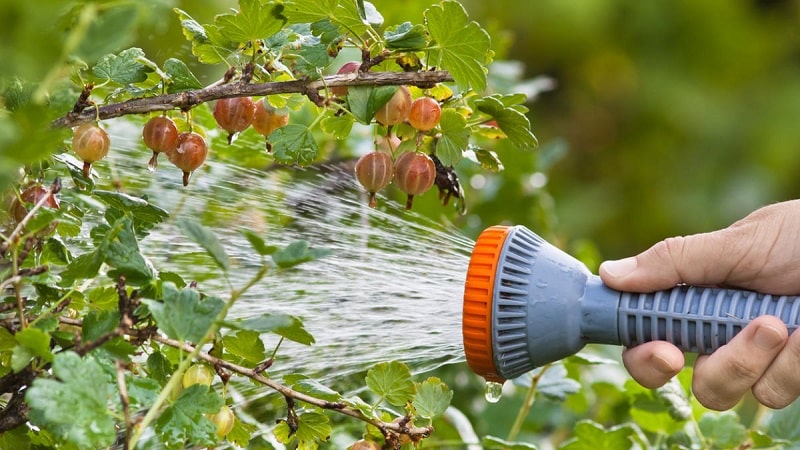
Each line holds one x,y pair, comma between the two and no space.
494,391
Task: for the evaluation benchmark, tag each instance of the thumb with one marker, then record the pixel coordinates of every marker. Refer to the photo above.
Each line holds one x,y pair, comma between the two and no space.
695,259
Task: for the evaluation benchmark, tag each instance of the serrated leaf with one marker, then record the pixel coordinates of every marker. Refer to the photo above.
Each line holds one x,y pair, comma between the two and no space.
98,323
343,13
85,266
31,343
454,138
459,45
296,253
365,101
186,419
258,244
120,251
208,44
432,398
183,315
294,144
312,428
592,436
246,345
722,430
253,21
649,411
145,214
391,381
495,443
510,119
206,238
406,36
289,327
337,126
82,384
123,68
180,77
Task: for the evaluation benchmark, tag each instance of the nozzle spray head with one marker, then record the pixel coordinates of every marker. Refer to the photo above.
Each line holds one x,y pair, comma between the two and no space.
527,304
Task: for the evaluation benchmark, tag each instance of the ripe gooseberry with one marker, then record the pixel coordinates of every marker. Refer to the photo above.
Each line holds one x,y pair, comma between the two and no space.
190,154
32,195
396,109
348,67
234,114
198,374
364,445
268,119
424,114
374,171
91,144
414,174
160,135
224,420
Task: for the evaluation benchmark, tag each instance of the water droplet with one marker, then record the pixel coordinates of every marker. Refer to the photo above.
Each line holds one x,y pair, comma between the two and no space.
494,391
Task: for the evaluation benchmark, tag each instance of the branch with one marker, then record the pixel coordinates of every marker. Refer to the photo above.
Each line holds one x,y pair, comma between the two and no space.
188,99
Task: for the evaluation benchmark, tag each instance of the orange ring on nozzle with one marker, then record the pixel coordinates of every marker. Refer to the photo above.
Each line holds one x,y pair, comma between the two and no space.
476,325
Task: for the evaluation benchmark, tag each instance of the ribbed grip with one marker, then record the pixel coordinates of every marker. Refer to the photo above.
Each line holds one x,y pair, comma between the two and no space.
698,319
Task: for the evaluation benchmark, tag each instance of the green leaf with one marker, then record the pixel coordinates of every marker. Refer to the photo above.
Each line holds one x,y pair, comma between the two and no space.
55,251
722,430
208,44
85,266
98,323
79,394
294,144
312,428
556,385
180,77
246,345
495,443
679,406
337,126
289,327
124,68
120,251
31,343
344,14
650,411
314,388
206,238
183,315
510,117
159,367
296,253
258,244
253,21
186,420
432,398
459,46
455,138
592,436
406,37
365,101
392,381
145,214
785,423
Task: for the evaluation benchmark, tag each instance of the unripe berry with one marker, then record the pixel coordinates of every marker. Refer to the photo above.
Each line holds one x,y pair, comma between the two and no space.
234,114
91,144
374,171
190,154
198,374
414,174
348,67
160,135
364,445
396,109
224,421
424,114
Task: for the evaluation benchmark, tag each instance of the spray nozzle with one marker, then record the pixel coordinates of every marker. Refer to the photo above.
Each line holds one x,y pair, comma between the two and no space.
527,303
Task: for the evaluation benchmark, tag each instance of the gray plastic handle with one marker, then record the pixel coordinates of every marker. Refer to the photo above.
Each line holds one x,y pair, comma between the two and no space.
547,305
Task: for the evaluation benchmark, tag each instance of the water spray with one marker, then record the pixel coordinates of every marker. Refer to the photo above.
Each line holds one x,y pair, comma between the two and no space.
527,304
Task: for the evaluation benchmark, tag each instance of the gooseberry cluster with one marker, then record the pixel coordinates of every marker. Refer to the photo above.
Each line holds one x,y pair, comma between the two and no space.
203,374
413,172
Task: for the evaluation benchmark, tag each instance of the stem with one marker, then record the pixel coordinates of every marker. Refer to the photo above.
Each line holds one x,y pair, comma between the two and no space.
530,397
188,99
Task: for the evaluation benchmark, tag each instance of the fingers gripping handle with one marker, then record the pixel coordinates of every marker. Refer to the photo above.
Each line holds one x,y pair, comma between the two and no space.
698,319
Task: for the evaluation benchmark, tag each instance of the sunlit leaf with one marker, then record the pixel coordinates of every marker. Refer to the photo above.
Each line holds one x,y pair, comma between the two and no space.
432,398
510,119
180,77
253,21
592,436
31,343
392,381
246,345
123,68
454,138
406,36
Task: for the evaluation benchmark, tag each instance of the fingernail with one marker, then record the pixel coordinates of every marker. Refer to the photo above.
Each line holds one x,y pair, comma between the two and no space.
620,267
767,337
662,365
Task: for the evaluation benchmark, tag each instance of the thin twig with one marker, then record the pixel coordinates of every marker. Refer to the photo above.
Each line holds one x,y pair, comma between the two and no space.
188,99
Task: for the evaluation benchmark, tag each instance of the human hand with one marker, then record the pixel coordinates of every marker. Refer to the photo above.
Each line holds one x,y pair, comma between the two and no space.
760,252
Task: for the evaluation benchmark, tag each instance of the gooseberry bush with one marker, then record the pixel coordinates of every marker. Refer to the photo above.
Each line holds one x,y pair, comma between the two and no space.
101,348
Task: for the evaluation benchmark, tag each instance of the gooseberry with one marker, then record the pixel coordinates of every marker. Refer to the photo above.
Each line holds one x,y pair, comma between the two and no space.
198,374
396,109
234,114
32,195
414,174
363,444
268,119
190,154
374,171
424,114
91,144
160,135
224,421
348,67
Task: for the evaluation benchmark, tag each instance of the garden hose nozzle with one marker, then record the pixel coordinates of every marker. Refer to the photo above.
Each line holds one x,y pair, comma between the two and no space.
527,304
